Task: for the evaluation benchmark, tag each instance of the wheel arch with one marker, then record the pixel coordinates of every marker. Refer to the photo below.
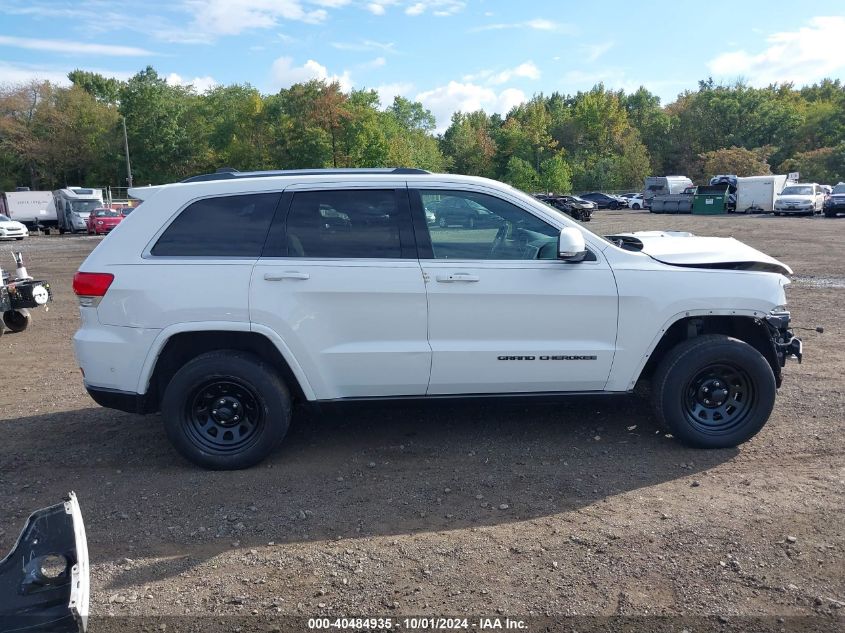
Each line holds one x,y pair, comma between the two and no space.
179,347
747,328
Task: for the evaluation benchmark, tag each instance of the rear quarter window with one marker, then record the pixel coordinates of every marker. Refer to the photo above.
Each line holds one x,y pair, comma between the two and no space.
224,226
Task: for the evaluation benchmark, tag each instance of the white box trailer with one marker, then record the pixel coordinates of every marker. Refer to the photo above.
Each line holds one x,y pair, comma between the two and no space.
758,193
32,208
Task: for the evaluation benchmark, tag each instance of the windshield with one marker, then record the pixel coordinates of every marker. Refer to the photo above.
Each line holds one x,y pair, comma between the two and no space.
107,213
5,218
126,210
797,191
840,188
84,206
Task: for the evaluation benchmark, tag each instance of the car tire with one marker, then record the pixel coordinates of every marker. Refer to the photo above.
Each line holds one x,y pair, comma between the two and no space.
636,207
216,438
829,213
442,223
17,320
695,371
613,206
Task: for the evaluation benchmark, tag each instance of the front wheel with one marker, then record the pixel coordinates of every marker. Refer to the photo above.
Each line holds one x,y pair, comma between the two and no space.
713,391
226,410
636,207
17,320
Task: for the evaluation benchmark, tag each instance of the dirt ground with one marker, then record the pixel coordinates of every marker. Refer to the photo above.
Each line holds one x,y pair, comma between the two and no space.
581,508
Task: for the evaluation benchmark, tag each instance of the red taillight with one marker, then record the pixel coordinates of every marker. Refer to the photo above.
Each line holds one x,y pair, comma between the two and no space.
92,284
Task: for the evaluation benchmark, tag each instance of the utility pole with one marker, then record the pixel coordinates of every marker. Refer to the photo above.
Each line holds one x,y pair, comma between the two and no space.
126,148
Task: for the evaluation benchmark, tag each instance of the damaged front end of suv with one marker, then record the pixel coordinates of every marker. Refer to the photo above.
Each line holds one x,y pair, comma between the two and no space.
44,583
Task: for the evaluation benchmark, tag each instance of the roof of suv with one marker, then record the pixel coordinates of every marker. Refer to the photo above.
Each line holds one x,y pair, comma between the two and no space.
226,173
228,176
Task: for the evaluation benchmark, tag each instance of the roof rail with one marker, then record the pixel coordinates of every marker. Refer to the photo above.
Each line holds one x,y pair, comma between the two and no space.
228,173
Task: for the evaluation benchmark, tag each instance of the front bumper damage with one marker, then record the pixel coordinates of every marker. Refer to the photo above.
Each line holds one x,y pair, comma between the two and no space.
44,583
784,342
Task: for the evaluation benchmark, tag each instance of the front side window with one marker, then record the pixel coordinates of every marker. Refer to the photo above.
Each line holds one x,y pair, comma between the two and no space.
358,223
225,226
469,225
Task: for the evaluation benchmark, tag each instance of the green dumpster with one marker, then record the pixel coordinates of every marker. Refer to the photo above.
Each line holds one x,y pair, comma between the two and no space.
710,200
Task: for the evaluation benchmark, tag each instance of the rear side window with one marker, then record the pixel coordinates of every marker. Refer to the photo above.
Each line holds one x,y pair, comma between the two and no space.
226,226
362,223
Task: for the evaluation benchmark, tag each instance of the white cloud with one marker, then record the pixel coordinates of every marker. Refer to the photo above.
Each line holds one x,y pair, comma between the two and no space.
20,73
378,62
525,70
537,24
73,47
443,101
439,8
379,7
285,74
365,45
201,84
593,51
386,92
808,54
224,17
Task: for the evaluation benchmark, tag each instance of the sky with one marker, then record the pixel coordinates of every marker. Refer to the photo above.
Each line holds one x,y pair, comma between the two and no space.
449,54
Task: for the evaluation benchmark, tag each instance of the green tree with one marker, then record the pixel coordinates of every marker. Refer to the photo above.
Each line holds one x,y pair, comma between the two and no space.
556,175
521,174
733,160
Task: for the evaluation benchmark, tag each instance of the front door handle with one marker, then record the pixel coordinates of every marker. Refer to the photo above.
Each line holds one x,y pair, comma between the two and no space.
288,274
453,277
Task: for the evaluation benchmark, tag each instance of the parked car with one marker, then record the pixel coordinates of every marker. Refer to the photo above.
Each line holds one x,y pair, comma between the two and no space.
835,203
604,200
581,210
635,201
230,298
800,199
103,220
452,211
9,229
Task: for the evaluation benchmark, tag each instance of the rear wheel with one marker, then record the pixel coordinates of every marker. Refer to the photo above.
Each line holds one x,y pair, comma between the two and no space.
226,410
442,223
17,320
713,391
636,206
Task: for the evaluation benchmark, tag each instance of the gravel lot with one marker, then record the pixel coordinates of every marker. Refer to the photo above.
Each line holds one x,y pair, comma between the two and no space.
580,508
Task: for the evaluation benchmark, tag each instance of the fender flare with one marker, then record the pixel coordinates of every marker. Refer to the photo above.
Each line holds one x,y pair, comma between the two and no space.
754,314
165,335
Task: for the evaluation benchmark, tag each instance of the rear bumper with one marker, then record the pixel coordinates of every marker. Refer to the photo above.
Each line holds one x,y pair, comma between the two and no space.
120,400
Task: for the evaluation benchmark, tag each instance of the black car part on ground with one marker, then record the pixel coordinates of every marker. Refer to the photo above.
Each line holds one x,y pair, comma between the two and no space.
561,203
44,582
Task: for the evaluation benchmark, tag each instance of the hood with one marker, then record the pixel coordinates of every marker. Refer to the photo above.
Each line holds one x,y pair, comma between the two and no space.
796,198
12,225
680,248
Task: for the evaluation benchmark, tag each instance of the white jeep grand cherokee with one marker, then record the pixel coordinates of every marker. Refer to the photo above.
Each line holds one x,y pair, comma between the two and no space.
228,296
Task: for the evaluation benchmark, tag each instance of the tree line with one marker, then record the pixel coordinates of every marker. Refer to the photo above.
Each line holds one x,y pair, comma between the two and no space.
52,136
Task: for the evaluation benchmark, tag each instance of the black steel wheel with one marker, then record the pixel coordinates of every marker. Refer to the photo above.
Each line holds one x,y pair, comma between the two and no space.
713,391
226,410
17,320
224,416
718,398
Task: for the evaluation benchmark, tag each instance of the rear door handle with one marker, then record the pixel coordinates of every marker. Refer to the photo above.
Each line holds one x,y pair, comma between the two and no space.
453,277
288,274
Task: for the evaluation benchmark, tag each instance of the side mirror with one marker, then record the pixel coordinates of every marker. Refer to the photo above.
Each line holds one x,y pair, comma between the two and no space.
570,245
